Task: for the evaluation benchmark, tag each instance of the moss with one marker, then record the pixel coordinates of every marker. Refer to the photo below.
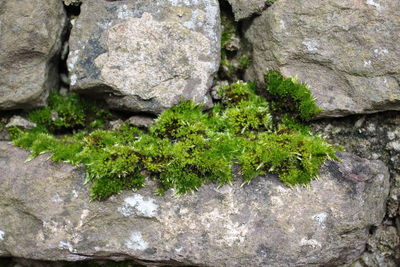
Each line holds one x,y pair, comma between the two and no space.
290,97
187,147
69,112
270,2
234,60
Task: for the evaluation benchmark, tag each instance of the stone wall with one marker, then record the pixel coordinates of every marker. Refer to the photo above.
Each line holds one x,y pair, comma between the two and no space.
142,57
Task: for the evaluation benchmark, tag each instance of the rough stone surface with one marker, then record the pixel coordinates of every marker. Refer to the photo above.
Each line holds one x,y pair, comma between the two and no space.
30,41
20,122
72,2
368,136
145,55
246,8
348,52
140,121
46,215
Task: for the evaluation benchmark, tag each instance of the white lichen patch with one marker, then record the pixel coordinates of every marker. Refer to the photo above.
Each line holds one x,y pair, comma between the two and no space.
374,4
124,12
84,214
73,58
137,205
235,233
282,24
136,242
2,234
75,193
74,79
178,250
381,51
320,218
66,245
310,242
311,45
56,198
367,63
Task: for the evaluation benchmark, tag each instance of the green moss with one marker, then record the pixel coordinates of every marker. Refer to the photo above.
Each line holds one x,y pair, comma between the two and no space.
67,112
233,62
290,97
187,147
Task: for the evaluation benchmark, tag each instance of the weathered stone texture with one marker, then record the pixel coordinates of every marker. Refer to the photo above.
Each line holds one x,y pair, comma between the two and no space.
246,8
348,52
47,215
145,55
30,41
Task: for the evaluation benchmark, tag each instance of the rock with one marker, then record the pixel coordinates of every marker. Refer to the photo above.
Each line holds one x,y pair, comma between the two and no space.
30,42
47,215
72,2
243,9
346,51
140,121
20,122
214,90
145,55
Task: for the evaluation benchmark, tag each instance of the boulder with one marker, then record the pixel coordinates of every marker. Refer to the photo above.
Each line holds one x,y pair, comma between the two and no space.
145,55
243,9
21,122
30,42
346,51
46,214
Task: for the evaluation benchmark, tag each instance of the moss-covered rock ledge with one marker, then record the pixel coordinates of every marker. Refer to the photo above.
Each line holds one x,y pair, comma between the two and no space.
186,147
47,214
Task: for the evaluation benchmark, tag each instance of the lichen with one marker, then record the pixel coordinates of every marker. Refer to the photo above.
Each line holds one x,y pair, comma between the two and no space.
187,147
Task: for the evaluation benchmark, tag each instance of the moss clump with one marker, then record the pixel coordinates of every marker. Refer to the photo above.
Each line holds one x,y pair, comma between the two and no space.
69,112
290,97
187,147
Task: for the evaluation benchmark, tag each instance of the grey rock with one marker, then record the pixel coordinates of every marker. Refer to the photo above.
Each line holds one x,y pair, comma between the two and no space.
246,8
140,121
214,90
47,215
346,51
20,122
72,2
30,42
145,55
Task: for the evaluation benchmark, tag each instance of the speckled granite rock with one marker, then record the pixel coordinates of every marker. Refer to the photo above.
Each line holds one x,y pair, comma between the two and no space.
30,42
348,52
145,55
46,215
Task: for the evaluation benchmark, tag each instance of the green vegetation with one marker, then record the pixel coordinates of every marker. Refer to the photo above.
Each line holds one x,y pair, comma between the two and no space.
270,2
233,62
69,112
290,97
187,147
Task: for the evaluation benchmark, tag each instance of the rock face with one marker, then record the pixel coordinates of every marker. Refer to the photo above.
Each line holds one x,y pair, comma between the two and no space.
348,52
30,41
46,215
145,55
246,8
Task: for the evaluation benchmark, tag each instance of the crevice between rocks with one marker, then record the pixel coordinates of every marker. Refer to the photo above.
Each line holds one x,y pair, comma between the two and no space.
72,11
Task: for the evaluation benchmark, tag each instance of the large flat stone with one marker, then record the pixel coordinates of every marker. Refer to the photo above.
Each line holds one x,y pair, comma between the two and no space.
145,55
348,52
30,42
46,214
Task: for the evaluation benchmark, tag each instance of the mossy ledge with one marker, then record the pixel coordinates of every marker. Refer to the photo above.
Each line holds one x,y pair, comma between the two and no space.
186,147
